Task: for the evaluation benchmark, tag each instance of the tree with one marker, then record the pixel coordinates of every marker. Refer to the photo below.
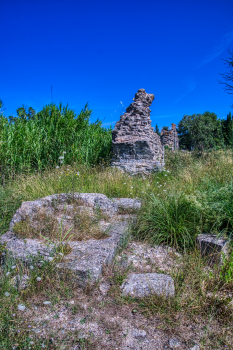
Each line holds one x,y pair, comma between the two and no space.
227,130
23,114
157,130
228,77
1,107
200,131
165,128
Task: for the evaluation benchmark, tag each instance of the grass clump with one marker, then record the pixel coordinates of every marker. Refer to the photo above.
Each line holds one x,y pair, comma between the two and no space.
173,220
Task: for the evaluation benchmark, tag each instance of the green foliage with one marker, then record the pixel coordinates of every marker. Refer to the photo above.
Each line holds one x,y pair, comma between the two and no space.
200,131
37,140
157,130
1,107
165,128
227,130
173,221
226,272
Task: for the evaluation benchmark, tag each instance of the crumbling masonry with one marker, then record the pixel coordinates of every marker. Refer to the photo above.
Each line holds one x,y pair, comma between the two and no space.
136,147
170,138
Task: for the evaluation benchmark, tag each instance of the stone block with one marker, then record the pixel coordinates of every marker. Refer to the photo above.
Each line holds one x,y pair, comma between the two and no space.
145,284
213,247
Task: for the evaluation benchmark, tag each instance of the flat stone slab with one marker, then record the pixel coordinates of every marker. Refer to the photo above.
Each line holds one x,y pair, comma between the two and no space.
145,284
87,257
213,247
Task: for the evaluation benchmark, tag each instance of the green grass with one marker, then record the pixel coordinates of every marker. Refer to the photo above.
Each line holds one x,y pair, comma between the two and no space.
194,195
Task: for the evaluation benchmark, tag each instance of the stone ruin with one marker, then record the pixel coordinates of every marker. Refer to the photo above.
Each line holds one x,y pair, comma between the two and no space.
136,147
170,138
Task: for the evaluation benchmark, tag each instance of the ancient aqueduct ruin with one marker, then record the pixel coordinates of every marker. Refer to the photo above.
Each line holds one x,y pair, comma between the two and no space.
136,147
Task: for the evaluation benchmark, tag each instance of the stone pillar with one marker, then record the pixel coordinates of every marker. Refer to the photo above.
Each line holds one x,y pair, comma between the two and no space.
136,147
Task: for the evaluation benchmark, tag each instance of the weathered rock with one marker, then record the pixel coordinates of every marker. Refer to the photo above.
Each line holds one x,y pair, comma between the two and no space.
87,257
136,147
142,285
147,258
20,282
170,138
127,203
104,288
195,347
175,344
138,333
213,247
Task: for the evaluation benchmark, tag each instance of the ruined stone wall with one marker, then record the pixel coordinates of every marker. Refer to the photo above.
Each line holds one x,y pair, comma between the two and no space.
136,147
170,138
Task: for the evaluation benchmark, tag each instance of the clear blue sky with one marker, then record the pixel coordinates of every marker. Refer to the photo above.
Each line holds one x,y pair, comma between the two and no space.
102,52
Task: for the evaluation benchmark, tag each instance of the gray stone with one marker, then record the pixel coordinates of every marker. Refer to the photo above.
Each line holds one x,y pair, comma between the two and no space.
170,138
104,288
136,147
20,282
127,203
175,344
213,247
138,333
145,284
195,347
87,257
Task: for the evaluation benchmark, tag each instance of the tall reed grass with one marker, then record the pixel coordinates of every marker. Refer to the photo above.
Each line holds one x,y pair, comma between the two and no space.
37,144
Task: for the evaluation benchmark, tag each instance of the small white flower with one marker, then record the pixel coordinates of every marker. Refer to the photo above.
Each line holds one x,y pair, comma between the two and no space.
60,254
47,302
131,186
61,157
142,191
78,173
50,258
21,307
31,267
13,267
64,152
124,183
31,342
7,294
38,279
165,174
164,190
57,167
8,273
